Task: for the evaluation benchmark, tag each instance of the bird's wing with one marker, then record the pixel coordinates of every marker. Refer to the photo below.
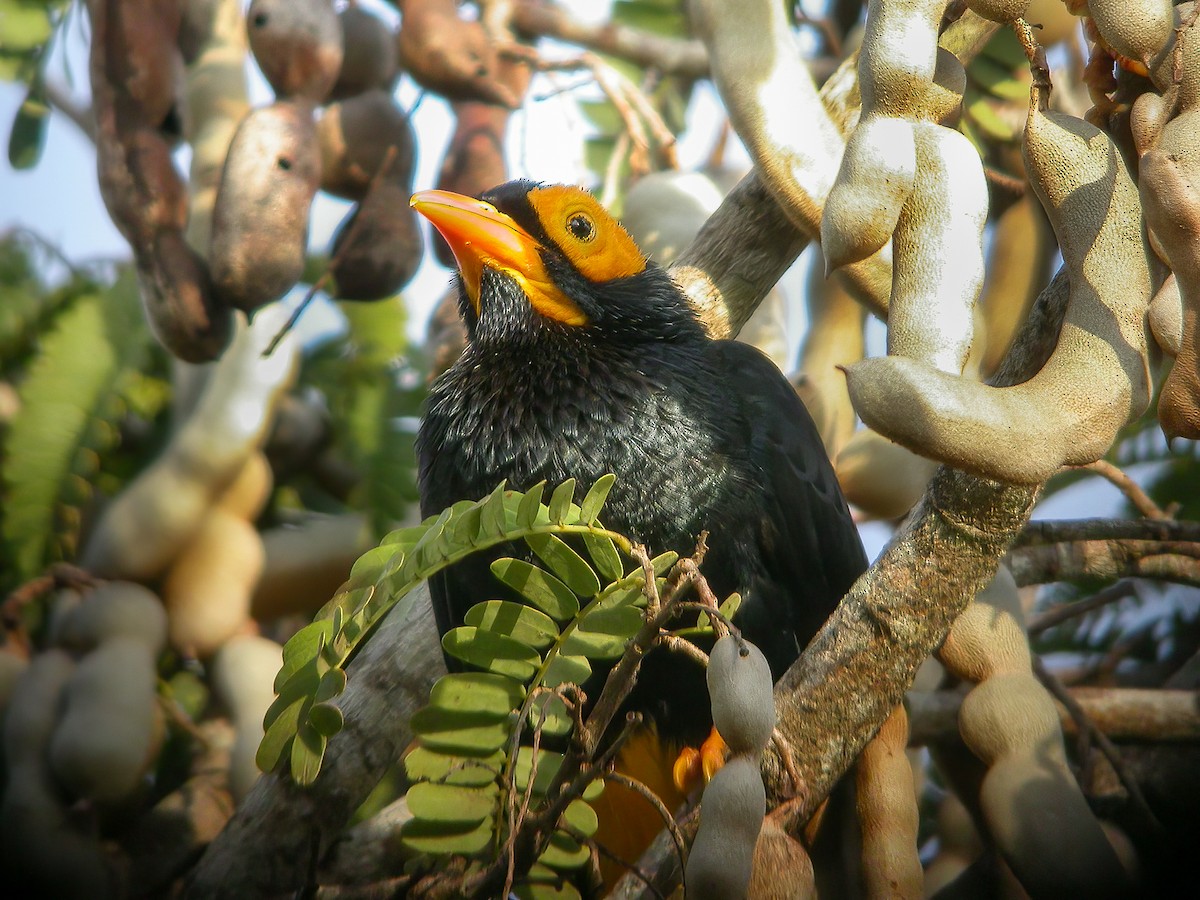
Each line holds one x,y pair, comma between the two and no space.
809,548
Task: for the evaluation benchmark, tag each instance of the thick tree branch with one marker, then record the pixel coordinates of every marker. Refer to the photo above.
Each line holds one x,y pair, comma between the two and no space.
262,852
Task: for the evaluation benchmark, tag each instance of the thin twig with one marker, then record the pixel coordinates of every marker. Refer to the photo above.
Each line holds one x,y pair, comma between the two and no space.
676,644
1130,488
1102,742
665,814
628,866
1066,611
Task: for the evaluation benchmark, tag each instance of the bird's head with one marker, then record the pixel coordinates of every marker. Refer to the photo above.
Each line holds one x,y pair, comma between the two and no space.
536,257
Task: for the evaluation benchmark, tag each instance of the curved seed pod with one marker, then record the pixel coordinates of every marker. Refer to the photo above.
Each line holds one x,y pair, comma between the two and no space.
988,639
740,687
297,44
368,54
1054,21
886,804
898,55
1097,378
449,55
782,867
1139,30
938,252
1002,11
1149,115
943,103
875,179
30,718
1170,186
377,249
146,525
1019,259
181,307
1166,317
879,477
835,338
110,725
114,609
144,57
355,137
243,675
207,590
260,220
731,814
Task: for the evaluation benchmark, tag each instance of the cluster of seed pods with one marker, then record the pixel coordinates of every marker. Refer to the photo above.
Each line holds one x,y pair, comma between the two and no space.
906,178
1097,378
721,861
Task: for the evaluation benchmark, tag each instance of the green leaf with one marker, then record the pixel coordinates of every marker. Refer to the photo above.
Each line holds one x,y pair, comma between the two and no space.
524,623
94,350
530,506
626,592
326,719
434,802
581,817
28,135
541,890
423,764
278,736
308,750
603,633
605,555
442,838
494,652
662,563
999,81
469,734
24,24
565,563
550,713
548,763
560,501
481,693
731,605
567,670
563,852
377,563
984,115
333,683
302,649
492,517
589,509
538,586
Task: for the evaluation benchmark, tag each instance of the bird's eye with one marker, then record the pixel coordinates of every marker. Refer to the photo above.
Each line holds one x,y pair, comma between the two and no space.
581,227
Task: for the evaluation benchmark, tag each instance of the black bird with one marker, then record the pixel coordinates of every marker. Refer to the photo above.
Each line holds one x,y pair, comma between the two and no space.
583,358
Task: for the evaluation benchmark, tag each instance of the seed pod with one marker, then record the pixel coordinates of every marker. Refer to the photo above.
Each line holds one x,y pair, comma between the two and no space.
886,804
110,725
1097,377
377,249
875,179
1002,11
355,136
11,667
243,674
368,54
260,220
449,55
938,252
297,44
740,687
731,814
208,588
181,306
879,477
1140,30
943,103
1149,115
1166,317
898,55
143,58
114,609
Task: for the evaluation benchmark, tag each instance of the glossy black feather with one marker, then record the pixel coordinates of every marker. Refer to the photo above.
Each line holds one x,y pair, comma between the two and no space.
701,434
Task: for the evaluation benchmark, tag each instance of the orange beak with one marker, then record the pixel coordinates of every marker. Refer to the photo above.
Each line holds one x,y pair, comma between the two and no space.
480,235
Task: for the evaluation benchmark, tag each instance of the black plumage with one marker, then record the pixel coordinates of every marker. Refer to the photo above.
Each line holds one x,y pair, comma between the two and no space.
701,434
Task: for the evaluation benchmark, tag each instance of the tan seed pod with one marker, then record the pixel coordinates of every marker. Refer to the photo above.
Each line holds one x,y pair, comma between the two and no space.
368,54
1149,115
1138,30
143,58
306,564
260,220
943,103
114,609
879,477
377,249
208,588
731,814
1055,23
449,55
297,44
243,676
886,804
938,252
1096,380
898,55
355,138
250,489
740,688
1166,317
180,304
875,179
110,724
783,869
1002,11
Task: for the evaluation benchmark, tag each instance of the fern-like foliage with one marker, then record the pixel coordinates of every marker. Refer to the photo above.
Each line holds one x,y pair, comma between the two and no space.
73,394
481,756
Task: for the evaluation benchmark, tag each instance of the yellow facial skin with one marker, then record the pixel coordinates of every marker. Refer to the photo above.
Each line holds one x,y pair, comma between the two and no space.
481,236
